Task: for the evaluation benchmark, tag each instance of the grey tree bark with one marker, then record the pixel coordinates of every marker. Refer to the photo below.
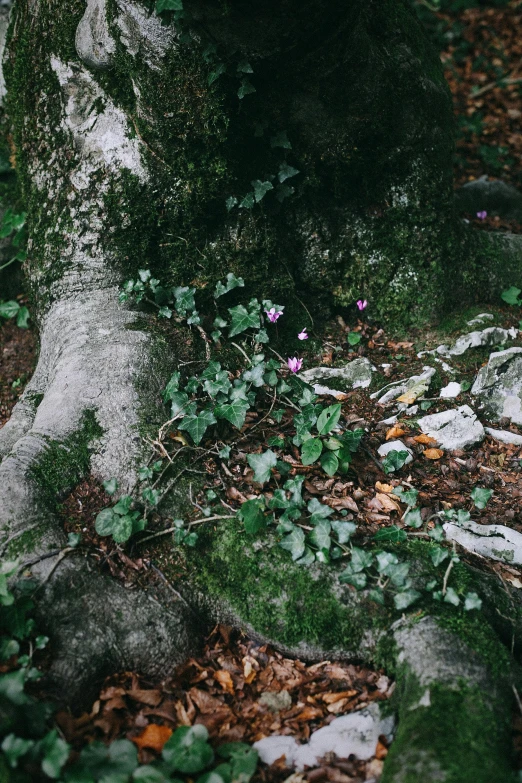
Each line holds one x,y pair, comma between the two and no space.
121,143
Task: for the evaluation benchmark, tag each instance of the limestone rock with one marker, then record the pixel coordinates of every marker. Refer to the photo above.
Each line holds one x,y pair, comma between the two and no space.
493,335
356,733
494,541
396,388
453,429
453,389
505,436
356,374
498,385
94,43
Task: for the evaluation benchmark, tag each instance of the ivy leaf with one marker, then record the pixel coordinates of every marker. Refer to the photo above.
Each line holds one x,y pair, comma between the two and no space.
472,601
377,595
168,5
216,73
280,140
358,580
231,203
385,559
251,514
231,282
413,518
511,295
329,463
262,465
187,750
352,439
354,338
242,319
407,496
261,189
393,534
172,386
437,533
247,202
151,496
197,425
320,535
180,404
123,505
294,543
343,530
295,487
480,496
286,172
255,375
279,500
220,383
394,460
244,67
405,599
284,191
360,559
234,412
311,451
318,511
246,88
328,419
438,555
184,299
22,318
451,597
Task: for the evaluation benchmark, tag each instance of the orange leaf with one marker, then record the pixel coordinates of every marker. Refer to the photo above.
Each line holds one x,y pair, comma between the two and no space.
383,487
426,439
153,736
225,680
395,432
433,453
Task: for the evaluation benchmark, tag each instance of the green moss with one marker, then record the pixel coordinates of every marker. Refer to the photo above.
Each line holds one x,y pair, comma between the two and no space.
64,463
290,604
459,738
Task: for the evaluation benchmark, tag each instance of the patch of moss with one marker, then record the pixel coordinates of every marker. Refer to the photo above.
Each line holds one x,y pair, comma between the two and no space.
64,463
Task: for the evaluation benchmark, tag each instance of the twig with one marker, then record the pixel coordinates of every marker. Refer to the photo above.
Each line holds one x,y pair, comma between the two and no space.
190,524
206,340
249,360
171,588
517,697
446,577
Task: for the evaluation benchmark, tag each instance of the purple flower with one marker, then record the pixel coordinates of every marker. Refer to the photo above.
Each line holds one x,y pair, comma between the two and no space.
302,335
295,364
362,304
482,215
273,314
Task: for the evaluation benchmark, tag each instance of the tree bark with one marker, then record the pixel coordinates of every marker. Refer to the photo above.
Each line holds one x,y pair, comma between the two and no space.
126,156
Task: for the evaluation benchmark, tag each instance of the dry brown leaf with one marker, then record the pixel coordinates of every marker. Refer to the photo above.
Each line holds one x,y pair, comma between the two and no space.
331,698
225,680
427,440
336,503
153,736
387,503
383,487
151,698
204,701
433,453
395,432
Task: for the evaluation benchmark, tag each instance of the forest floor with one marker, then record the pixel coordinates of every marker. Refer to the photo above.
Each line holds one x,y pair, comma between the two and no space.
482,54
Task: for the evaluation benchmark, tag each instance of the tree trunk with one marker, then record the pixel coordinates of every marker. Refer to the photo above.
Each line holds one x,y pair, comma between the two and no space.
131,155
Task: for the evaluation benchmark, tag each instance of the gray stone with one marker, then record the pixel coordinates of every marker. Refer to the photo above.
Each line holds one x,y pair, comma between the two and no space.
498,385
94,43
491,336
453,429
505,436
494,541
480,318
494,196
355,374
395,445
396,388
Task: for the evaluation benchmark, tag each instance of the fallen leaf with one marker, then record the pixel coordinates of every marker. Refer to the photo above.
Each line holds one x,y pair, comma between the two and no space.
416,390
427,440
341,503
151,698
395,431
153,736
331,698
433,453
225,680
387,503
383,487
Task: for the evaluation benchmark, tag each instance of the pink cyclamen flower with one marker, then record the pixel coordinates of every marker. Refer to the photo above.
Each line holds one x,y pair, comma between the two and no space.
362,304
295,364
302,335
482,215
273,314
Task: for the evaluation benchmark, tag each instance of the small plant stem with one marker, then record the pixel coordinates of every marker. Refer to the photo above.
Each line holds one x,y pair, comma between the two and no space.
249,360
190,524
446,577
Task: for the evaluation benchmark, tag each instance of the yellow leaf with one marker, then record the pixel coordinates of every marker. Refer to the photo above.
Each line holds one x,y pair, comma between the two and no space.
426,439
417,390
395,432
433,453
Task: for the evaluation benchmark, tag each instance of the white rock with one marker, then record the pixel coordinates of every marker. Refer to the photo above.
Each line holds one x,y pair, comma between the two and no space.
505,436
480,318
453,389
356,374
355,733
493,335
395,445
326,391
396,388
494,541
498,385
272,748
453,429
